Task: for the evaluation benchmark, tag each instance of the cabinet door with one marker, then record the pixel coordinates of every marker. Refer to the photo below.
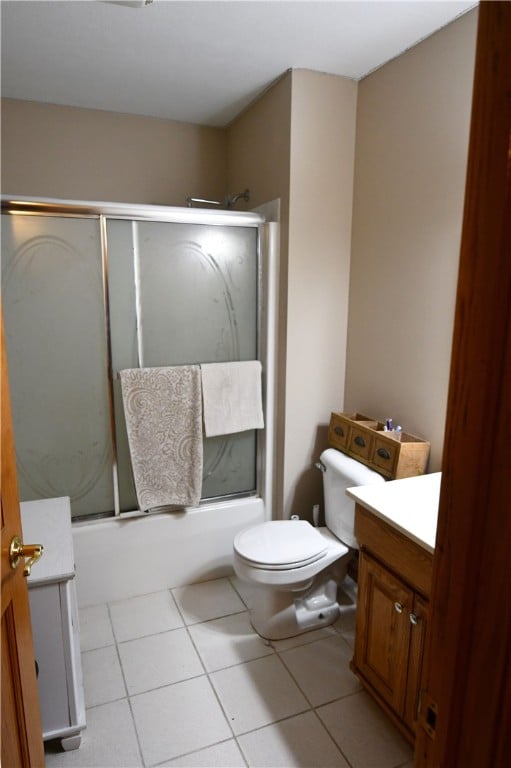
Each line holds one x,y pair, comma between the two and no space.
418,621
383,631
50,653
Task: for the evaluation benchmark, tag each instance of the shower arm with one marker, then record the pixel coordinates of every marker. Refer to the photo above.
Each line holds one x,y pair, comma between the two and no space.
191,200
228,202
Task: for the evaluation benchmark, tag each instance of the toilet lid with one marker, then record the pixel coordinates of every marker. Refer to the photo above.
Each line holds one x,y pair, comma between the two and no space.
280,544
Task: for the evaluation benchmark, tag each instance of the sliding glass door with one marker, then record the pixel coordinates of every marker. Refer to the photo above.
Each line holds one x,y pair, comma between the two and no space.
52,289
86,297
184,294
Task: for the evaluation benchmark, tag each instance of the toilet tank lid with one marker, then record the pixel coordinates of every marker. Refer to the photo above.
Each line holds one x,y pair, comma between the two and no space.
353,472
279,542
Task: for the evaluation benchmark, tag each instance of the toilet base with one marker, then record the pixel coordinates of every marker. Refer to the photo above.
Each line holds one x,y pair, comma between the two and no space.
277,614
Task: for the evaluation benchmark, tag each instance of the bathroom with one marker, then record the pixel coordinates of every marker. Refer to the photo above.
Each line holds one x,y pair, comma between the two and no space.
334,309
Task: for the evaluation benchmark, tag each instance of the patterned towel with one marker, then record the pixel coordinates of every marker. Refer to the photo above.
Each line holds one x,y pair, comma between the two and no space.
162,408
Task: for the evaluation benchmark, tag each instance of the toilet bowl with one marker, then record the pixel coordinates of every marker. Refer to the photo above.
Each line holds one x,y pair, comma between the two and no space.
295,569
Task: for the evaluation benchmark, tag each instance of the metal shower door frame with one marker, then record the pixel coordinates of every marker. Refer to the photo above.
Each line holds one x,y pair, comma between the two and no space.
267,288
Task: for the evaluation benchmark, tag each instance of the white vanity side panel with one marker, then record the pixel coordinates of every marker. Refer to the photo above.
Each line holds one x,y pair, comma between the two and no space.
71,629
50,657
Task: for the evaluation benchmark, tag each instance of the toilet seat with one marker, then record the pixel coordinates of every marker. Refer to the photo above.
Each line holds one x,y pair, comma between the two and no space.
280,545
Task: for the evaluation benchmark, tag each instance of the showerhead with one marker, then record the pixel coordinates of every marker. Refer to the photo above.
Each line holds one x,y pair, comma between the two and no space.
231,200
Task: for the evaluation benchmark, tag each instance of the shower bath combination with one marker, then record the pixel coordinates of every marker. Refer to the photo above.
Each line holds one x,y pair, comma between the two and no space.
126,274
228,202
151,249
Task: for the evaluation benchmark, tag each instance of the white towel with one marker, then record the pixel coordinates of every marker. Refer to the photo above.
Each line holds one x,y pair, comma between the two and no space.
163,412
231,394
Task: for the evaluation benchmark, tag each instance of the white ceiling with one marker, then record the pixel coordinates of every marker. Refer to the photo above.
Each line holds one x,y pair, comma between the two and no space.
198,61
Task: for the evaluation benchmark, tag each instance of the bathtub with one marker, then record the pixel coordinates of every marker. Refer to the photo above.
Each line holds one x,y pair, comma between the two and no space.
119,558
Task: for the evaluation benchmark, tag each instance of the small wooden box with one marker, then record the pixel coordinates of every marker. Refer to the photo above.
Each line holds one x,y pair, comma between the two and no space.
364,439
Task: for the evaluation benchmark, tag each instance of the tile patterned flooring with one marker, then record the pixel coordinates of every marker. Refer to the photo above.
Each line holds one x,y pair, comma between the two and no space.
180,678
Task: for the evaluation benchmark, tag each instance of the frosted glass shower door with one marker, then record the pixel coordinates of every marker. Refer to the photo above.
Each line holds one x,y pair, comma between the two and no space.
53,305
183,294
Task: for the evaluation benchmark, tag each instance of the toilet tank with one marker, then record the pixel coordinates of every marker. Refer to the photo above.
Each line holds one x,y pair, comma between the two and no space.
343,472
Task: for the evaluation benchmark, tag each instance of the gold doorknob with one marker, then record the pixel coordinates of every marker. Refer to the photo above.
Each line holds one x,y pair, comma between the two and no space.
18,550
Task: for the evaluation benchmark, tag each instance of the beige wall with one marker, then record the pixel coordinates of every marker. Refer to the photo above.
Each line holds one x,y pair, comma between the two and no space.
321,194
297,143
259,158
411,152
258,147
85,154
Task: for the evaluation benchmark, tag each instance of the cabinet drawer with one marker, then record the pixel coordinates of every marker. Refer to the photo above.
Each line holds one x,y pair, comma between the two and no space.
385,454
363,439
395,550
360,441
338,432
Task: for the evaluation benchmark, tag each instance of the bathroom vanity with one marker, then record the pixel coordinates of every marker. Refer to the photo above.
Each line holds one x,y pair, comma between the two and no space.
395,524
54,613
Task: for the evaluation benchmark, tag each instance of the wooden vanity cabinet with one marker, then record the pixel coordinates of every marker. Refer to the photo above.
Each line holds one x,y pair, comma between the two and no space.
392,614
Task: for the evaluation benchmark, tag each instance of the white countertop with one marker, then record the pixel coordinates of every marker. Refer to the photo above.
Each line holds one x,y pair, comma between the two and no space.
48,522
410,505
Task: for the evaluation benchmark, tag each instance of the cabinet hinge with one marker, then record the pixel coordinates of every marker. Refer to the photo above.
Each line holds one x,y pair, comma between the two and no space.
428,713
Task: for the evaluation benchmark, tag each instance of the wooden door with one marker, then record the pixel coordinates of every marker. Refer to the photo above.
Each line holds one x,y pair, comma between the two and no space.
383,632
466,704
22,743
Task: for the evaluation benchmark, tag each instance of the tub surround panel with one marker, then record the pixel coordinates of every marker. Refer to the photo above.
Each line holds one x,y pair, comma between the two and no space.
121,558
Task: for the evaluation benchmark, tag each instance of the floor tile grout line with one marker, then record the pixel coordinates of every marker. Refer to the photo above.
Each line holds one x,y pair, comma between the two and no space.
217,697
276,722
119,640
106,703
233,585
151,634
135,729
214,618
335,632
300,644
206,673
330,736
313,706
266,725
203,621
309,708
134,694
189,754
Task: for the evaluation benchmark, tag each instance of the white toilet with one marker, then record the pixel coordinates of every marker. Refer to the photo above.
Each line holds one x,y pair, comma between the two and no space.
294,568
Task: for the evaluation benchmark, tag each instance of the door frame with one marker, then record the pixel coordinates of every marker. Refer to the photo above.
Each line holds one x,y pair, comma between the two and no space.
466,701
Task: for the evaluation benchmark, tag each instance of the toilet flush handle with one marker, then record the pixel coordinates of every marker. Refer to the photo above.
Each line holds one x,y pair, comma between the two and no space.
319,465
